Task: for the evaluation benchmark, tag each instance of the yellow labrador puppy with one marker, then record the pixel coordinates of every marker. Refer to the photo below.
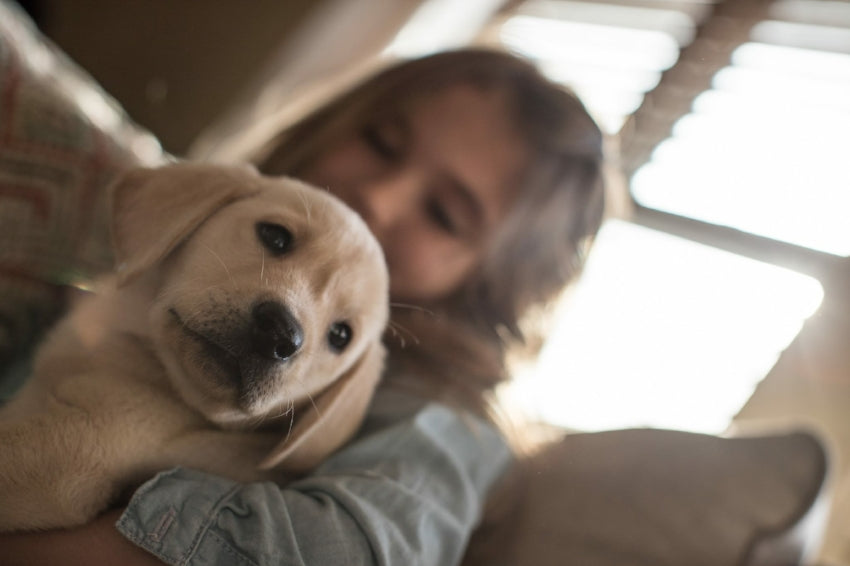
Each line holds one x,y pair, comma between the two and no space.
240,335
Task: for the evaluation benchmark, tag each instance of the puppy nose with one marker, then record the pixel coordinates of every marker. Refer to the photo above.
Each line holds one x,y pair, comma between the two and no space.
275,334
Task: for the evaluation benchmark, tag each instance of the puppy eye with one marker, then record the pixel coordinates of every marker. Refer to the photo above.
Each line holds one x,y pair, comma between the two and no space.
339,336
275,237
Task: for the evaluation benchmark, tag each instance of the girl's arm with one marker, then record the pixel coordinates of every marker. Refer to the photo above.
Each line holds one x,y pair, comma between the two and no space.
95,544
408,490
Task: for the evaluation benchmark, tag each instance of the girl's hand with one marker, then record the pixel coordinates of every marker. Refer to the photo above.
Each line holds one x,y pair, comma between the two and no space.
94,544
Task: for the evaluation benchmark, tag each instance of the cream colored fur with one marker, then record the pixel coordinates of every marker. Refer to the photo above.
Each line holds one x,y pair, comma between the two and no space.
156,369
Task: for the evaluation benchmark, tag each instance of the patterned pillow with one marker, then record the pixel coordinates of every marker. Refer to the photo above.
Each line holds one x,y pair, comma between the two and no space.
62,140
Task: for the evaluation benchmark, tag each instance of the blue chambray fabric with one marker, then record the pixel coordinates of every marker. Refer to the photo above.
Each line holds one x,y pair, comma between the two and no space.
407,491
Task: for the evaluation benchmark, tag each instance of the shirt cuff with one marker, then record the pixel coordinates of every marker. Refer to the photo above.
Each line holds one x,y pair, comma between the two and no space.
175,525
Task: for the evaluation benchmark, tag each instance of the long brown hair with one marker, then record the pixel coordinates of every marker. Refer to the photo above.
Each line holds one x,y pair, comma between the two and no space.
542,244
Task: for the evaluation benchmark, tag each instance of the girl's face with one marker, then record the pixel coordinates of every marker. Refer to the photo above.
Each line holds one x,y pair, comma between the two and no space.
432,183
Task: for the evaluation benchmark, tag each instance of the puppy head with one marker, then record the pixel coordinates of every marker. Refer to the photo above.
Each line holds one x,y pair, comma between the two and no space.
270,302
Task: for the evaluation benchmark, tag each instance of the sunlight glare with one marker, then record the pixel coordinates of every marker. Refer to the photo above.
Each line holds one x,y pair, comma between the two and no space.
547,39
756,155
663,332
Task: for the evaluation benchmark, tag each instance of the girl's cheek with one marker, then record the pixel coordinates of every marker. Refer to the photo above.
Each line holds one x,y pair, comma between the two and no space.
423,266
409,271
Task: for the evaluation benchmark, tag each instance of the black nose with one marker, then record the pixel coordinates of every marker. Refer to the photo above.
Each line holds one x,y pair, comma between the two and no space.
276,334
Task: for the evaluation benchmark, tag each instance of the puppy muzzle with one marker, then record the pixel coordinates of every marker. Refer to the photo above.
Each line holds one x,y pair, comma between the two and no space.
249,358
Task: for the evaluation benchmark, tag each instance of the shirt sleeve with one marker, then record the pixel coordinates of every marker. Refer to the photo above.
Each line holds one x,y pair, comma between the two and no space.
407,491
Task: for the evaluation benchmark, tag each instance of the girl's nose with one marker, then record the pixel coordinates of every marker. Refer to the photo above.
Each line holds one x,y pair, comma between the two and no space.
389,200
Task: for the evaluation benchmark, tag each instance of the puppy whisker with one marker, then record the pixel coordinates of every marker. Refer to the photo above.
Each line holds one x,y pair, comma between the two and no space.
291,412
315,407
284,410
307,208
300,381
399,336
413,308
399,331
224,265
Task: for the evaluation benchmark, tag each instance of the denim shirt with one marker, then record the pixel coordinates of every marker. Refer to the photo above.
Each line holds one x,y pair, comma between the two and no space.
408,490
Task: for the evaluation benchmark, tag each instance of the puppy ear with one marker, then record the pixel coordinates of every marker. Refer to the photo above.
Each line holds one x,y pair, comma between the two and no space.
338,412
153,210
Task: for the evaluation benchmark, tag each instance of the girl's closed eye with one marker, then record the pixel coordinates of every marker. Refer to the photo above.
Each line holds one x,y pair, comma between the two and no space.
455,210
441,215
386,140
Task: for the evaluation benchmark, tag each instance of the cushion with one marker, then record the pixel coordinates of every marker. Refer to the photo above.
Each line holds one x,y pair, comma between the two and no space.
62,140
659,498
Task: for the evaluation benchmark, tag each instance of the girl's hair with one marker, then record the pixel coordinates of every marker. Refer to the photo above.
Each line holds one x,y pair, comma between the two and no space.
543,242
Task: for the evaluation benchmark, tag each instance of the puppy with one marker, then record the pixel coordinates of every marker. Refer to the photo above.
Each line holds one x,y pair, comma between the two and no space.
240,335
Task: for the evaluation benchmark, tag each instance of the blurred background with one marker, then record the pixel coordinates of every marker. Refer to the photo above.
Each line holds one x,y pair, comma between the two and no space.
719,295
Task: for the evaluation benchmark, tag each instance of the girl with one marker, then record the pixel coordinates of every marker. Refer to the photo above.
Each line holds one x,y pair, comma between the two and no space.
482,182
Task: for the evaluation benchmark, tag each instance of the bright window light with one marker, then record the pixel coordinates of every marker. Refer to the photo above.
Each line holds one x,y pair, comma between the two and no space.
758,154
802,35
609,55
618,79
675,23
438,24
807,62
783,85
663,332
547,39
824,12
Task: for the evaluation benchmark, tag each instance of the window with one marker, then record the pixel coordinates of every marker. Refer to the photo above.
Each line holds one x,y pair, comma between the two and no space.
731,121
785,97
